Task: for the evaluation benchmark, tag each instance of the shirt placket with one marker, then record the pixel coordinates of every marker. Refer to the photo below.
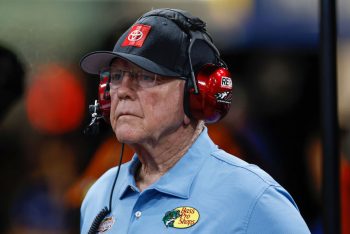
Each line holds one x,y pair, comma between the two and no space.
137,222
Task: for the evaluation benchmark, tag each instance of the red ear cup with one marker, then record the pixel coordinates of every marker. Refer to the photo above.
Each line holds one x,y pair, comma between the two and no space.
215,94
104,98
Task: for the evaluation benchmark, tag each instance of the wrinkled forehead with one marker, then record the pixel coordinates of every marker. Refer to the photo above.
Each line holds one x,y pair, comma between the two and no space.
124,65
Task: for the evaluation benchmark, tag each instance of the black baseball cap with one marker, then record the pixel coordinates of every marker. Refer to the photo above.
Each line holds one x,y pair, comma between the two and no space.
157,42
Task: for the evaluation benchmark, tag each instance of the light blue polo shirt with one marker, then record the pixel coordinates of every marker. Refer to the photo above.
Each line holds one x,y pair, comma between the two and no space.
207,191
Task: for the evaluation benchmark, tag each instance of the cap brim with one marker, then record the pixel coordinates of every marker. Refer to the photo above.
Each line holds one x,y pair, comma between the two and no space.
92,63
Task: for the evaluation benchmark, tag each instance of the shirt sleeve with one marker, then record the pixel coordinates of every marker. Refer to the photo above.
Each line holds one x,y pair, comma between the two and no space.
276,212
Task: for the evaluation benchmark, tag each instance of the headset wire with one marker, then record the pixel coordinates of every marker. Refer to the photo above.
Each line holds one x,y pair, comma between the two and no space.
106,211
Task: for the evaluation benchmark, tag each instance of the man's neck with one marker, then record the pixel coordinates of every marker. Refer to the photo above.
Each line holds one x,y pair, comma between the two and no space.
157,160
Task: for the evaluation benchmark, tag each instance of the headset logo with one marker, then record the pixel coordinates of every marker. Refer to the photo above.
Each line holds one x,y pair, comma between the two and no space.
226,82
224,97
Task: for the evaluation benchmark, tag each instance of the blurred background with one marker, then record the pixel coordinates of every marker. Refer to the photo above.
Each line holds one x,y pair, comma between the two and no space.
271,46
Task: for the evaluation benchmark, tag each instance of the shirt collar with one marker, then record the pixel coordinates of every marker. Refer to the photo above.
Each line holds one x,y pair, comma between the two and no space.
129,182
178,180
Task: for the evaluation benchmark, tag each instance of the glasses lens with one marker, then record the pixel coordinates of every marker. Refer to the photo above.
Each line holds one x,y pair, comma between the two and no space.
145,79
141,79
116,77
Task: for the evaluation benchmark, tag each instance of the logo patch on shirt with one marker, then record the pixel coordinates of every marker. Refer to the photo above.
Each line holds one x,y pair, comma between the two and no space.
106,224
137,35
181,217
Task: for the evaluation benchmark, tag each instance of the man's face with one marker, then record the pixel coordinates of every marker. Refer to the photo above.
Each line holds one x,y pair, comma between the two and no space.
144,114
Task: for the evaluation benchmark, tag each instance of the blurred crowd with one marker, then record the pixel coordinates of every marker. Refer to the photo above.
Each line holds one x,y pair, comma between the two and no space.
48,164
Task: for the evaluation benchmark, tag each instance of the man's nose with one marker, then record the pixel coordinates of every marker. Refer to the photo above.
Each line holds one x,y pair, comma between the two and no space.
127,87
127,80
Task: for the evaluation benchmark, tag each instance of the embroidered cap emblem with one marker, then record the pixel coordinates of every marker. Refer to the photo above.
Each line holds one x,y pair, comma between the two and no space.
137,35
181,217
106,224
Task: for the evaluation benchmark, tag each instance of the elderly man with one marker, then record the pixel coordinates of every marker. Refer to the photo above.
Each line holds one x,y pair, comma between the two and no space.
178,181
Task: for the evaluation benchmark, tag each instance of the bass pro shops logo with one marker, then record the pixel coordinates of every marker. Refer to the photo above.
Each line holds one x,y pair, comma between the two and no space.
224,97
181,217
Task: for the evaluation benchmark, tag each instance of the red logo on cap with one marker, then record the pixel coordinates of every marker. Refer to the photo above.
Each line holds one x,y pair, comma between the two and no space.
137,35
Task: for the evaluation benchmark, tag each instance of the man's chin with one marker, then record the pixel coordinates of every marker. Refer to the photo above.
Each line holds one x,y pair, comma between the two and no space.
127,136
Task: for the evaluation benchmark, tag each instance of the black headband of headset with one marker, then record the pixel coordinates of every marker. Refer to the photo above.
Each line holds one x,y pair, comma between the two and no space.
192,26
182,18
187,23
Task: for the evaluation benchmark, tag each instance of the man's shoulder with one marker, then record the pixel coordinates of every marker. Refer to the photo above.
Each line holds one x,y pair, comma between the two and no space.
240,169
100,190
104,181
99,194
248,193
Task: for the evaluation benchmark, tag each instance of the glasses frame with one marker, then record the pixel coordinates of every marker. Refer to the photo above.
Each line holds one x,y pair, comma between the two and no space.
135,75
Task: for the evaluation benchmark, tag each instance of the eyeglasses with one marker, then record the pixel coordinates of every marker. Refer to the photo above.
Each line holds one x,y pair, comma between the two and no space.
141,79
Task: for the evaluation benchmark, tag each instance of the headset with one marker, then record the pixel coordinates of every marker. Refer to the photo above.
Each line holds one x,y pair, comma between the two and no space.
208,89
